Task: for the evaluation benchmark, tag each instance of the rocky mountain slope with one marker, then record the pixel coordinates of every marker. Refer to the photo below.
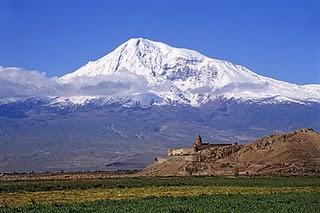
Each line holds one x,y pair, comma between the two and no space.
294,153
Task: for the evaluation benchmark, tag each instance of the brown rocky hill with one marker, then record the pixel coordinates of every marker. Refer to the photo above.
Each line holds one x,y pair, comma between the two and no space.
294,153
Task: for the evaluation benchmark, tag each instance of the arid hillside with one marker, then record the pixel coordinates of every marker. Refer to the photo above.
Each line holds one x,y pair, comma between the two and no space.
294,153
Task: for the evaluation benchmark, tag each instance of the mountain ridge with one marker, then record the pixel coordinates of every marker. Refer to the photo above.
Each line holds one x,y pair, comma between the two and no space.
187,76
149,73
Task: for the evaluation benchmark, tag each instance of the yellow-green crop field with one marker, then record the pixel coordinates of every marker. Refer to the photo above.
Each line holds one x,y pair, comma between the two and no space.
185,194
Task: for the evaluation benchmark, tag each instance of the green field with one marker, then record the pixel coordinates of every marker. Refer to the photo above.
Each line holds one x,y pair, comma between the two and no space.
178,194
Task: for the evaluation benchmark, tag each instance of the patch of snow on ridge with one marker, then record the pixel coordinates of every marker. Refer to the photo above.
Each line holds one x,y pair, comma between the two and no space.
78,100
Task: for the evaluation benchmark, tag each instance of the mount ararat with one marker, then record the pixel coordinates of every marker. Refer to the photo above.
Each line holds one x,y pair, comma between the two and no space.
122,110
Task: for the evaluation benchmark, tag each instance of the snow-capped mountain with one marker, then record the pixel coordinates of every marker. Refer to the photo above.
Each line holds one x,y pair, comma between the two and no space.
135,103
176,75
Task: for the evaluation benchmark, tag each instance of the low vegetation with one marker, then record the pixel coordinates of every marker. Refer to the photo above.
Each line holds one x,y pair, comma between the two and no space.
166,194
130,182
288,202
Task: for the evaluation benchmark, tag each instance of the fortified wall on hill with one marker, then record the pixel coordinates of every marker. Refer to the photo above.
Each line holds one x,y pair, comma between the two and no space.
197,146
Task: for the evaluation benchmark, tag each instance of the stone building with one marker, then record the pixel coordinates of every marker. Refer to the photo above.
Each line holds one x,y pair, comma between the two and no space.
198,145
198,141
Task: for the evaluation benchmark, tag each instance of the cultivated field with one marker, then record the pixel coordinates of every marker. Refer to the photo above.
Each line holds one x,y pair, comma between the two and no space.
165,194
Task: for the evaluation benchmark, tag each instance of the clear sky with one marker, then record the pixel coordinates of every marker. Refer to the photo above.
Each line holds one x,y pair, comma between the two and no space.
275,38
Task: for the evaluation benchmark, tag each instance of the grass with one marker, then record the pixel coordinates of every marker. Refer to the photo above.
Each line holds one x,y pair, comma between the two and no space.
129,182
69,196
288,202
147,192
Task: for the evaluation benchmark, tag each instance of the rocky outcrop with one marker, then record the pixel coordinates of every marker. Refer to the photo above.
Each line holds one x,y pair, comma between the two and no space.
294,153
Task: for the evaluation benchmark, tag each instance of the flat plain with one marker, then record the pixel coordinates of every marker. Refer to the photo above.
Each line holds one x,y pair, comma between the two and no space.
163,194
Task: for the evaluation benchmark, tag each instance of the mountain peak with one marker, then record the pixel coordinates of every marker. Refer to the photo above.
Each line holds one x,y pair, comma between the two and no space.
144,47
137,41
182,75
139,55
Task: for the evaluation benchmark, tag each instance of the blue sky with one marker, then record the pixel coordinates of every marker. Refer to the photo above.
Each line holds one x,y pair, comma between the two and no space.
275,38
